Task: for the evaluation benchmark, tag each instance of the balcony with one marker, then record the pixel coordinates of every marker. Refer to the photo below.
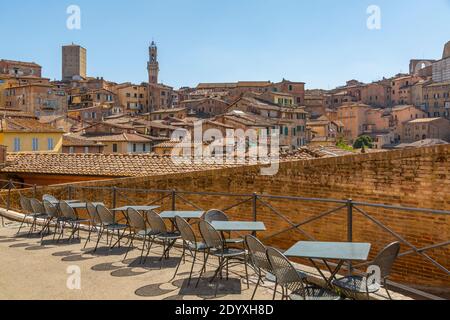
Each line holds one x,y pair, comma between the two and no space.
322,220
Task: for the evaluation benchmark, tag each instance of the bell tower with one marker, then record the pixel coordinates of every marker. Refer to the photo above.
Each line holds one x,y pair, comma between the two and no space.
153,64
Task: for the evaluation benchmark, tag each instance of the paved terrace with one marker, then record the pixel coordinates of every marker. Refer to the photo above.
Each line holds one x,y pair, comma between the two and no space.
34,271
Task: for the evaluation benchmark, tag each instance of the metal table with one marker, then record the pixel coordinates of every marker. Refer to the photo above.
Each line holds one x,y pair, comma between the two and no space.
137,208
83,205
229,226
183,214
341,251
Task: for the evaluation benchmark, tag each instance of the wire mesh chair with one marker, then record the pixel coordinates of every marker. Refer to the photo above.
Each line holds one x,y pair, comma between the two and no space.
190,244
49,198
52,215
217,248
26,209
355,286
138,229
258,257
160,232
218,215
109,225
38,213
70,218
95,223
294,281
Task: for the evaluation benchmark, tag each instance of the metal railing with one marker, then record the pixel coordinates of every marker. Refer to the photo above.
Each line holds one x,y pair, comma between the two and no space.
257,207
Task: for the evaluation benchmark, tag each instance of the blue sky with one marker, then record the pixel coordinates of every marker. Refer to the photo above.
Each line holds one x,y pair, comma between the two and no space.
321,42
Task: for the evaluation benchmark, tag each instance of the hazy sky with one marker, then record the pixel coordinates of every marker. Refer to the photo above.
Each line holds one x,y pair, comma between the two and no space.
321,42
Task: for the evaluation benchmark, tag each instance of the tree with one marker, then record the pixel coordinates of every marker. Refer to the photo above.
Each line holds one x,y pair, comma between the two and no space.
363,142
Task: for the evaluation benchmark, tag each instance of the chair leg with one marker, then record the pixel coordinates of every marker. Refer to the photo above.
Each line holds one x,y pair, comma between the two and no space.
129,247
179,263
98,240
151,239
257,284
246,271
205,261
275,290
143,249
192,268
387,290
21,225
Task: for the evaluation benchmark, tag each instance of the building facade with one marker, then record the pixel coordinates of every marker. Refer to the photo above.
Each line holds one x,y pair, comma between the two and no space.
74,63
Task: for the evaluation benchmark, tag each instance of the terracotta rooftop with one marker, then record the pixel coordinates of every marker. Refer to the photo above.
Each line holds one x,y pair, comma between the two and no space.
101,165
26,125
77,141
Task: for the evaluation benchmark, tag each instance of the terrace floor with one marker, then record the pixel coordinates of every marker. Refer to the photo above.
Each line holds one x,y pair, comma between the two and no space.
32,271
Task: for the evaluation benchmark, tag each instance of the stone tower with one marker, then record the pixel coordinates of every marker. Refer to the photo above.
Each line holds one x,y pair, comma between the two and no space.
446,53
153,64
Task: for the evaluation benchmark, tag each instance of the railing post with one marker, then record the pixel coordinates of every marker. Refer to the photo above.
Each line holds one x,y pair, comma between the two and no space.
350,229
174,200
114,197
254,209
8,200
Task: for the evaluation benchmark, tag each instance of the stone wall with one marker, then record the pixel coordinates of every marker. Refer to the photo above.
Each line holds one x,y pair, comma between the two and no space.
412,178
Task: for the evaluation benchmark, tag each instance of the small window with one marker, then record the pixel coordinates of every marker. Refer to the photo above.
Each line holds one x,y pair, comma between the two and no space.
86,149
115,148
71,150
50,144
16,144
134,147
35,144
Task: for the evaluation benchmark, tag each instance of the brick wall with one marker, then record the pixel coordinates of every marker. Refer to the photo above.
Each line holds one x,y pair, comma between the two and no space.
413,178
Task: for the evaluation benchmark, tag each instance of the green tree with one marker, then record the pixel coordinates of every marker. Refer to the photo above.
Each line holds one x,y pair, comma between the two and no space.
363,142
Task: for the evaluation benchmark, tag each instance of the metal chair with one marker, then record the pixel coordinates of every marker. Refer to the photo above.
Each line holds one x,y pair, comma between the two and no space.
138,229
294,281
190,243
38,213
109,224
258,256
216,247
71,218
160,232
49,198
218,215
354,286
52,214
95,223
27,211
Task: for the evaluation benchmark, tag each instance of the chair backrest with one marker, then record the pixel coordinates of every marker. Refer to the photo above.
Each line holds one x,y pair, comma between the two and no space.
258,253
92,211
37,206
215,215
67,211
186,231
386,258
155,222
49,198
106,217
287,276
211,236
50,209
136,220
25,205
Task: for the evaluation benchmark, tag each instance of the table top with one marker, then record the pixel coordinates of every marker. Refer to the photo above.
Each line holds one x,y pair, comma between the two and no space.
182,214
82,205
137,208
68,201
238,226
330,250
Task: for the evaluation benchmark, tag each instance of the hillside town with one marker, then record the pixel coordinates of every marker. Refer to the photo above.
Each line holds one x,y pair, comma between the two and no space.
80,114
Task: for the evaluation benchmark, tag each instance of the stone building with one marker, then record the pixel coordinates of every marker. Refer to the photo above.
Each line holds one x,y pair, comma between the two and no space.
427,128
37,98
74,63
20,69
436,99
441,68
132,98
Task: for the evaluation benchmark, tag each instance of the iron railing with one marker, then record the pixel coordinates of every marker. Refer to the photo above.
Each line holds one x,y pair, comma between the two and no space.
255,203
